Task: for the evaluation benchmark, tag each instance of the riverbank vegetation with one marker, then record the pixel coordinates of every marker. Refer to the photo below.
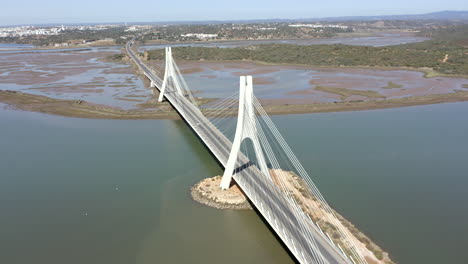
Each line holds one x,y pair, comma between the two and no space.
445,54
344,93
392,85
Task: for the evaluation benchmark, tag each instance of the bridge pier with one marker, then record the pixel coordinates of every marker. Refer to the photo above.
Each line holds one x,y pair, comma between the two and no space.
280,210
246,129
170,74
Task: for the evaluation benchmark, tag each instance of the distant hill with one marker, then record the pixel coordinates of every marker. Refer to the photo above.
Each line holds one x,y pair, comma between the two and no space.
442,15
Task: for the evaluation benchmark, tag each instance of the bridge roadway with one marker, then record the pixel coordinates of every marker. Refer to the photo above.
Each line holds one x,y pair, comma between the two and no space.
262,192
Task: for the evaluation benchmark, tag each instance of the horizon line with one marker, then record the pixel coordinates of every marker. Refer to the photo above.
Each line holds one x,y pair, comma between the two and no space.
229,20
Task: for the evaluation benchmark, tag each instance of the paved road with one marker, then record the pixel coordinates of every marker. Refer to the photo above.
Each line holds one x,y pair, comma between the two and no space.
304,240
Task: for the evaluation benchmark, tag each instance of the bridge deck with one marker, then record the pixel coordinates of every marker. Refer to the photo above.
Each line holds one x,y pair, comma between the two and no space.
262,192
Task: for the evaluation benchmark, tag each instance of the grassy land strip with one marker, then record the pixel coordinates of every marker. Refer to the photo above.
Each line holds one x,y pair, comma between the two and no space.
392,85
74,108
345,93
367,105
285,109
78,108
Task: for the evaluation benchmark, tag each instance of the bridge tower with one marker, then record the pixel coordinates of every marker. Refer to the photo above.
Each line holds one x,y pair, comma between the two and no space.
170,73
246,129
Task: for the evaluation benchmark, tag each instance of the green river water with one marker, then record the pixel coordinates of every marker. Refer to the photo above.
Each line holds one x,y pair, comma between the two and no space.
110,191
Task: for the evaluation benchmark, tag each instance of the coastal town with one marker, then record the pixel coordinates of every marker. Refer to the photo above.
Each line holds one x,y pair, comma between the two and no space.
50,35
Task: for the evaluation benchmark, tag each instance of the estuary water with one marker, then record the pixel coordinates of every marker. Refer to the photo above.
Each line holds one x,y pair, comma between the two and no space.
115,191
14,46
378,40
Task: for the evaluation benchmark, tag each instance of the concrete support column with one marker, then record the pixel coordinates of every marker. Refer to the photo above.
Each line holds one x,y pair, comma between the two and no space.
170,72
246,128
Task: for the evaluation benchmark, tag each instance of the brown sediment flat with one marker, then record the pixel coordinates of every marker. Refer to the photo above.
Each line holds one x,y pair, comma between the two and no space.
208,76
354,98
286,107
214,67
237,73
310,96
64,58
192,70
245,67
119,85
120,70
59,74
408,81
129,99
237,65
78,108
279,107
22,66
135,96
84,88
426,93
99,79
74,108
304,91
28,77
262,71
342,94
259,71
346,93
392,85
264,80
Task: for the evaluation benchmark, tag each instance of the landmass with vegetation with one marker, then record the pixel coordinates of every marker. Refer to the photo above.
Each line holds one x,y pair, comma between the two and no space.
119,34
445,54
73,37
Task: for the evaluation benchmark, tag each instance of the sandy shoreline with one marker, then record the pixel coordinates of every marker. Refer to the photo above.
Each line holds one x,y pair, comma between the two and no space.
208,192
79,108
83,109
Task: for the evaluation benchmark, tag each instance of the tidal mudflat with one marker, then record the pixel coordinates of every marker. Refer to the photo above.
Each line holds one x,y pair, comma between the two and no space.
74,75
109,88
373,39
288,84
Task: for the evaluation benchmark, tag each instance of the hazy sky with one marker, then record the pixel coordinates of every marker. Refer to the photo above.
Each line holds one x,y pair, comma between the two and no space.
55,11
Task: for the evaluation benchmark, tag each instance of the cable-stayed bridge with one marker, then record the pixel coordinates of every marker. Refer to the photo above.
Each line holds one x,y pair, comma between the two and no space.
267,170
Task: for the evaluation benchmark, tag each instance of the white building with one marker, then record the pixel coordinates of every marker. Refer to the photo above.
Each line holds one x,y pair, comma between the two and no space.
200,35
319,26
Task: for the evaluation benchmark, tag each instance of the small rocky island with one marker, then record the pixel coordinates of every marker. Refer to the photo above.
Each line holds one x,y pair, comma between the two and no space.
208,192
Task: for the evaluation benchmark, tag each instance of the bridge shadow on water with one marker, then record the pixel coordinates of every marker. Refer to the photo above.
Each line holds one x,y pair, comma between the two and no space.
273,232
194,144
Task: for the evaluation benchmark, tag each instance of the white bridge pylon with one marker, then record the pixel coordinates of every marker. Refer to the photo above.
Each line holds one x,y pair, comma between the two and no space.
170,73
246,129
